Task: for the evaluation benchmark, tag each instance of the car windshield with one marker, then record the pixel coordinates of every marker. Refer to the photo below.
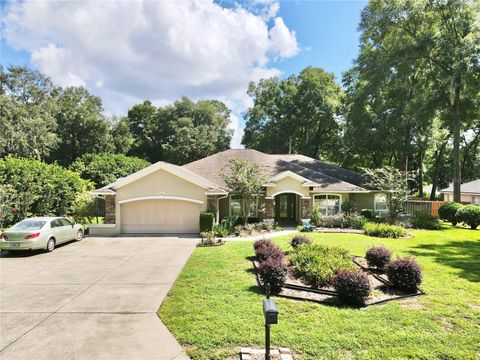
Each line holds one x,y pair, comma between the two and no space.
29,225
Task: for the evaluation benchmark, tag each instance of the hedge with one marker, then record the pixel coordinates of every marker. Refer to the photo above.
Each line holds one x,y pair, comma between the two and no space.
41,189
207,220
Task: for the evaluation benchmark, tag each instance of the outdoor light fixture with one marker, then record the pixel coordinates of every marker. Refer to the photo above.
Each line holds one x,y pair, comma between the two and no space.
270,313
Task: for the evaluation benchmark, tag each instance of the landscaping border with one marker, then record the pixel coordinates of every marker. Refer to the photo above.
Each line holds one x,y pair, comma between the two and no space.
333,293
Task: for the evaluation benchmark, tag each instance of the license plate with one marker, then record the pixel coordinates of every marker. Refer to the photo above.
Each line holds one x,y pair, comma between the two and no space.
14,245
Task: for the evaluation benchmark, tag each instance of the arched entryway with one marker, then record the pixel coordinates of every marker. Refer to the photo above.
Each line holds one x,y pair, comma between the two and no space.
287,208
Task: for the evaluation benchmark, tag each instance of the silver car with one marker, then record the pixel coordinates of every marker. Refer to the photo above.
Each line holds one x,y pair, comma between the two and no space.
40,233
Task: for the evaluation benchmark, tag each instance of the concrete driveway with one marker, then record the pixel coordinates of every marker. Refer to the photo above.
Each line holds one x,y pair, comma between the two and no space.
95,299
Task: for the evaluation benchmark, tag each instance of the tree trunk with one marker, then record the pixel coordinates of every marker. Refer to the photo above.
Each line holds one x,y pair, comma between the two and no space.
457,176
246,207
438,164
420,173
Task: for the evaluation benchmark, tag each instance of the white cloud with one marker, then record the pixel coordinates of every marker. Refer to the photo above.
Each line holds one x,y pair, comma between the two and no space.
130,51
284,41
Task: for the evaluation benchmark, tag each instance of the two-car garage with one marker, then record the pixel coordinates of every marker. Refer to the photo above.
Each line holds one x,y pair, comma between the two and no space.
160,215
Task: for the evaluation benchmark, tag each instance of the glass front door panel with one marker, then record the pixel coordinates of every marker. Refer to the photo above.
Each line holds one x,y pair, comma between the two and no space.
283,206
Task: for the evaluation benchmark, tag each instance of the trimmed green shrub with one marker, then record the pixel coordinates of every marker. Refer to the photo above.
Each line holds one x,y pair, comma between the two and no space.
355,221
384,230
404,273
470,215
352,287
315,217
448,212
332,221
367,213
207,220
424,220
298,240
273,271
378,256
317,264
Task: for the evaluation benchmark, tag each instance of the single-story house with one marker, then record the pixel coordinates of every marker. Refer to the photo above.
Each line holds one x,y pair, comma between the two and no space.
469,192
166,198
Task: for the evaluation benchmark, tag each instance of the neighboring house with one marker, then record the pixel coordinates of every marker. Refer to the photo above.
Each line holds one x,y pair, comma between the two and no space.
165,198
470,192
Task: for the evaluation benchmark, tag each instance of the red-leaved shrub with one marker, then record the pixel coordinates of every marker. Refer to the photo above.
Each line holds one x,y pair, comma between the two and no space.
378,256
273,271
262,242
404,273
298,240
352,287
265,249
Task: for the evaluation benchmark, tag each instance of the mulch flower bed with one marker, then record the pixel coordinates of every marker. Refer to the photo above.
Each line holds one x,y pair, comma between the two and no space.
382,290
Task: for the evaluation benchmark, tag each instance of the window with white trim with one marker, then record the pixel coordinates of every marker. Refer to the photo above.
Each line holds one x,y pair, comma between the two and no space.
328,204
236,207
476,200
380,203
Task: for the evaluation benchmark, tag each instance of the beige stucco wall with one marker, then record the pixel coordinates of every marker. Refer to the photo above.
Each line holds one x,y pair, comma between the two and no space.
287,184
463,198
362,201
160,182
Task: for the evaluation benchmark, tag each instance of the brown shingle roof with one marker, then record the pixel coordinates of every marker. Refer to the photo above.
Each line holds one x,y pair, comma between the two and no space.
330,178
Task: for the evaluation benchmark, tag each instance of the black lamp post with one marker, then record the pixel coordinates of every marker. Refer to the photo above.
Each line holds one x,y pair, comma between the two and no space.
270,312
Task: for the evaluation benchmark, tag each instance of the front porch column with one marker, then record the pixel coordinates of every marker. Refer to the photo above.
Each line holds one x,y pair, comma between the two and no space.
109,210
306,208
270,208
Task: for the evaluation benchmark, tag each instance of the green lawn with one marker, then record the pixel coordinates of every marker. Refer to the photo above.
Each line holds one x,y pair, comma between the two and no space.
215,307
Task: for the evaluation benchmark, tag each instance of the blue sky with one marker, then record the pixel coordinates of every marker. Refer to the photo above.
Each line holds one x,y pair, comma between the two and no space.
126,52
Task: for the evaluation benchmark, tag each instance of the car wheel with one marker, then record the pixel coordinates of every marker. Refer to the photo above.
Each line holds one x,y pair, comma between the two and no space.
79,235
50,244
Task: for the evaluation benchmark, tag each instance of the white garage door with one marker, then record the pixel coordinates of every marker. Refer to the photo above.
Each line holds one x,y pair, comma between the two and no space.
160,216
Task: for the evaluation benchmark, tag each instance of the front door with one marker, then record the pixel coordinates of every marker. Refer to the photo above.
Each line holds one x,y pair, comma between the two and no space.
285,206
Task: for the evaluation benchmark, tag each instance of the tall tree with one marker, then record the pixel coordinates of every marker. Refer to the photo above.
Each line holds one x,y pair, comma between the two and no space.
435,44
27,108
181,132
81,126
295,115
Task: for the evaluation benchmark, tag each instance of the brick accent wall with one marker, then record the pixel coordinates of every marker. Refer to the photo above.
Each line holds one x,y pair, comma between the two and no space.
306,208
109,209
269,208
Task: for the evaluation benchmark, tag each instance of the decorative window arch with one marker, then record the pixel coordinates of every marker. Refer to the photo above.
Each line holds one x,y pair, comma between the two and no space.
328,204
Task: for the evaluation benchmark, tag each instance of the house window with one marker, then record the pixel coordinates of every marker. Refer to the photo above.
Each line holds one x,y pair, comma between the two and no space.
380,203
476,200
328,204
236,207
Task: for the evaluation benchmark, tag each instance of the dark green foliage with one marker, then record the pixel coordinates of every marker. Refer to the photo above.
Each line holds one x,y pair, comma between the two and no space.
273,271
347,207
103,169
294,115
384,230
353,221
378,257
448,212
352,287
470,215
298,240
424,220
404,273
367,213
40,188
317,264
207,220
179,133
